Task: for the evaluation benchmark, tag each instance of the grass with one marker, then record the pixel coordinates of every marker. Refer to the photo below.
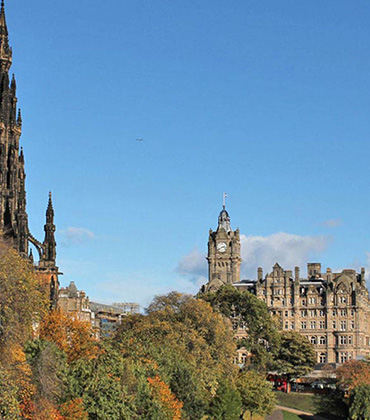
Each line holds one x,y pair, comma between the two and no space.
304,402
328,406
290,416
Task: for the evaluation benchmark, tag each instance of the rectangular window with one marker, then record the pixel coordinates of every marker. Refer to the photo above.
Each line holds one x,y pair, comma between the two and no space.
343,325
286,313
303,325
292,326
313,325
343,312
343,357
350,339
334,325
352,325
322,325
322,313
286,325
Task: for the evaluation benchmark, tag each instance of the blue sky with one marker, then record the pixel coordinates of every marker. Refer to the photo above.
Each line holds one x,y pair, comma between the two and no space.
268,101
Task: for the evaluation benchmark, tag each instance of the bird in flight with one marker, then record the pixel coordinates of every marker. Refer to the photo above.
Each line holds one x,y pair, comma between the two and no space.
139,139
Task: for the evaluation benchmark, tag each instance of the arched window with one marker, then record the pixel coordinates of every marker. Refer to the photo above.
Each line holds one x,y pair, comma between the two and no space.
313,340
322,339
322,358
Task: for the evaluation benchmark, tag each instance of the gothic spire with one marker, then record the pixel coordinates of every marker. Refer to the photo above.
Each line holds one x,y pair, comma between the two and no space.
49,228
50,211
5,50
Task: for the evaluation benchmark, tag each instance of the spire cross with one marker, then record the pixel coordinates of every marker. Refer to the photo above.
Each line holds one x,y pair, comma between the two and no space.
224,195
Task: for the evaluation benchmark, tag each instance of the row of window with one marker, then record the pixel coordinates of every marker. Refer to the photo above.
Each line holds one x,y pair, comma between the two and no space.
341,357
318,340
344,340
314,313
322,325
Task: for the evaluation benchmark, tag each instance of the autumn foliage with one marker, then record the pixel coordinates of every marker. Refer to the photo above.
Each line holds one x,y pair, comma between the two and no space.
168,402
72,336
352,374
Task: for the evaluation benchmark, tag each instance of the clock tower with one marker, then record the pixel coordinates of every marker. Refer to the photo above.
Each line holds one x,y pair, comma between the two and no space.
223,254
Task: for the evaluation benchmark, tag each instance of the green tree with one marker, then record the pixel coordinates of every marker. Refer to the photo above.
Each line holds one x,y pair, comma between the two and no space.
184,342
256,393
9,405
295,356
227,404
99,381
245,309
49,368
360,403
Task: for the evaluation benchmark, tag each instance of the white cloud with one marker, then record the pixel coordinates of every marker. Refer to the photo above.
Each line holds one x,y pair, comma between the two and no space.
332,223
259,251
194,267
287,249
75,236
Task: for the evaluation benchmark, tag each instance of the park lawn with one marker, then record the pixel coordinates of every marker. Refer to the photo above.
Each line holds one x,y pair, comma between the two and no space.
290,416
304,402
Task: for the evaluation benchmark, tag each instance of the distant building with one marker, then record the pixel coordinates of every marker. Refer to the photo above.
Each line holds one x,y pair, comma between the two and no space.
109,317
75,303
103,318
331,309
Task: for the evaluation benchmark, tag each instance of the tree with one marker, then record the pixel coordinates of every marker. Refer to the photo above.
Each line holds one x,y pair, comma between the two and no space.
246,310
227,404
9,405
49,368
102,383
22,301
360,403
256,393
170,406
185,343
295,356
352,374
74,410
72,336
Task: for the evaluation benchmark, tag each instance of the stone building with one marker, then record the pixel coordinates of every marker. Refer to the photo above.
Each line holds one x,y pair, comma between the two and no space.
75,303
331,309
109,317
223,254
104,319
13,213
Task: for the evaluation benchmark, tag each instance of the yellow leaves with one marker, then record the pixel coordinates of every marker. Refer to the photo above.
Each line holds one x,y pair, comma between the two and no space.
71,335
21,299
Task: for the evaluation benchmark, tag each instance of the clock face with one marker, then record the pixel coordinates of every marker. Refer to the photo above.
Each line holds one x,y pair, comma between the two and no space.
221,247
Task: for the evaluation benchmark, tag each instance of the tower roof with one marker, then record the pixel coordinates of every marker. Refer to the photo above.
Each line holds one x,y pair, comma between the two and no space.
224,220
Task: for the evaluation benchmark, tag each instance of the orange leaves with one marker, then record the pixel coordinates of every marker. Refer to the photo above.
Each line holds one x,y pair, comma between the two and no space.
72,336
352,374
74,410
162,393
45,410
